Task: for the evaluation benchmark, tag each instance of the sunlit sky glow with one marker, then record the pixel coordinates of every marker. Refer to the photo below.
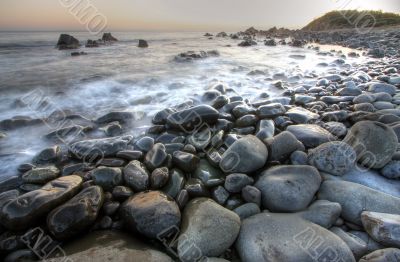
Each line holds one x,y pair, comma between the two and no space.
170,15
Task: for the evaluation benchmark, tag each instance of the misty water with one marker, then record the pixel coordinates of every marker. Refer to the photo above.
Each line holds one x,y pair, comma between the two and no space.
122,76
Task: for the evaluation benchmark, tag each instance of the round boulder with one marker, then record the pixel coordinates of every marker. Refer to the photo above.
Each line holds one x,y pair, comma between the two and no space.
335,158
151,213
374,143
288,188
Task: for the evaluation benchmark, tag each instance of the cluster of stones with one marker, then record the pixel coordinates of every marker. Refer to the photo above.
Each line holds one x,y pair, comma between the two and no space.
308,176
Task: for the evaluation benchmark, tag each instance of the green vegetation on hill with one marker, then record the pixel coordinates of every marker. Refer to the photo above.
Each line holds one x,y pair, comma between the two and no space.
346,19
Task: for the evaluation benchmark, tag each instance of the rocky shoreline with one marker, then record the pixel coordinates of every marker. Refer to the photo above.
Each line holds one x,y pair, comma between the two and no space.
311,175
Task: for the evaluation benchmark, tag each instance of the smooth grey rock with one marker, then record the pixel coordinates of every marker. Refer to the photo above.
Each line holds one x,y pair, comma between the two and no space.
107,177
383,228
299,158
84,208
288,188
374,180
208,227
335,128
27,209
375,143
292,240
265,129
382,87
391,170
189,119
156,157
235,182
150,213
271,110
90,150
282,145
355,198
335,158
185,161
41,175
247,210
311,135
322,212
301,115
246,155
251,194
356,245
159,177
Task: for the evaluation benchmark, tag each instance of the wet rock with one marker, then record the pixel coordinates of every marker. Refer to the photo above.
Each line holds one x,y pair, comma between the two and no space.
130,155
300,115
288,188
160,118
291,242
107,37
209,227
235,182
143,43
41,175
355,198
84,208
244,156
247,43
156,157
71,169
27,209
375,143
185,161
47,156
310,135
382,255
90,150
115,246
150,213
121,193
196,188
220,195
175,183
382,227
282,145
335,158
115,116
144,144
191,118
271,110
67,42
247,210
112,162
136,176
303,99
159,177
107,177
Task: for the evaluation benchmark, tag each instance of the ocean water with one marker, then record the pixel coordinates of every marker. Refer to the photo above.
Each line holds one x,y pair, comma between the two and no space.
122,76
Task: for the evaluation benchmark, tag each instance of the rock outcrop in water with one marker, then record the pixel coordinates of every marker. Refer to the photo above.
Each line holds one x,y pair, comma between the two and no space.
66,41
107,37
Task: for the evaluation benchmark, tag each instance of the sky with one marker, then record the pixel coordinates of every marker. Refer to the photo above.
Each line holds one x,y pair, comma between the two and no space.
172,15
